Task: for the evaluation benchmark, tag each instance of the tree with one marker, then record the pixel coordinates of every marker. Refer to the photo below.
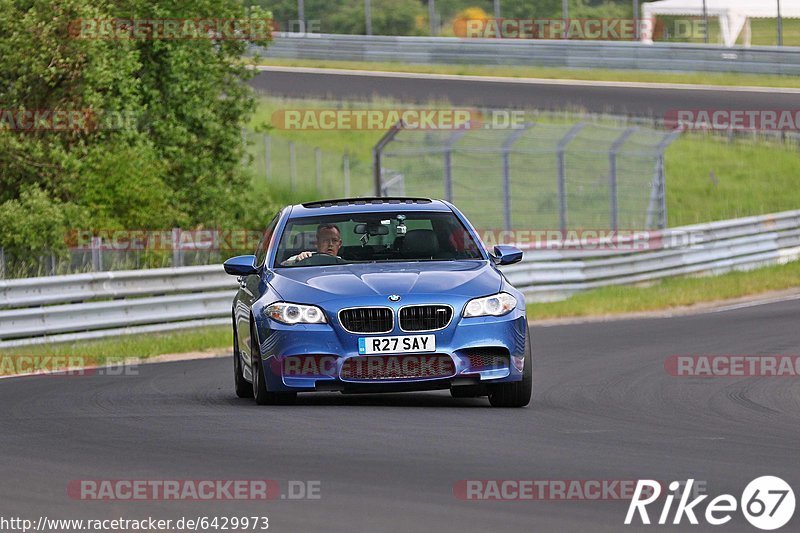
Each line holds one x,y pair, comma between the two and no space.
175,159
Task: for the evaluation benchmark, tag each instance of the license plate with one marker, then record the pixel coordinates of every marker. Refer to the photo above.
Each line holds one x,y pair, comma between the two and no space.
410,343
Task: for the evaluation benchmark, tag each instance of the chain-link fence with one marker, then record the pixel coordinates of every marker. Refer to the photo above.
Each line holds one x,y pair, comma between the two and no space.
307,171
540,175
133,250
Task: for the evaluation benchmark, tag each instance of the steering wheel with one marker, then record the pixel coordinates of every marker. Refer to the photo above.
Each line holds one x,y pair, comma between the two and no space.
320,259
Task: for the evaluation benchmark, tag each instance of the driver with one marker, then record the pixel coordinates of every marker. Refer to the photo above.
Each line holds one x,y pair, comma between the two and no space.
329,240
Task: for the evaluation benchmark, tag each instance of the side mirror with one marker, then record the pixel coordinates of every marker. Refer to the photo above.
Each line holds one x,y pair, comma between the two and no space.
241,265
506,255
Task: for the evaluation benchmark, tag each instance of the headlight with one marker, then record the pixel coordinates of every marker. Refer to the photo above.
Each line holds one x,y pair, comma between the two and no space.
289,313
495,305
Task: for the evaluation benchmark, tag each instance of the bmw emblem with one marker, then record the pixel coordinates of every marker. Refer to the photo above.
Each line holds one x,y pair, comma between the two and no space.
394,298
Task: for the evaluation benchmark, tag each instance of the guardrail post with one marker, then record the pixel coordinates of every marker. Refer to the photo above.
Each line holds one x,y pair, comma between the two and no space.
612,175
292,165
267,155
346,170
318,159
2,263
562,174
507,144
377,152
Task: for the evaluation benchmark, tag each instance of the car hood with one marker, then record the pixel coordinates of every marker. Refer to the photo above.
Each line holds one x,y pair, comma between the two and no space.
318,284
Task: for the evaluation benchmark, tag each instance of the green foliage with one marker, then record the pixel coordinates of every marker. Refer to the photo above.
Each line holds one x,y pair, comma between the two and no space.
389,17
136,196
35,223
175,161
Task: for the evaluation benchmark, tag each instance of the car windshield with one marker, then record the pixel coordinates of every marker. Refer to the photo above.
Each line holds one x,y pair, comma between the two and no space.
375,237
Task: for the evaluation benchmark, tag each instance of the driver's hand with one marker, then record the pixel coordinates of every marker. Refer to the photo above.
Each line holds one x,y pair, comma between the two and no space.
304,255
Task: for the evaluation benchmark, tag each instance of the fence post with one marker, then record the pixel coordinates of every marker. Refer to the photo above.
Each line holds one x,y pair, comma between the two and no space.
346,170
376,155
97,254
2,263
448,163
176,247
432,17
267,155
562,174
292,165
507,144
612,174
661,178
318,158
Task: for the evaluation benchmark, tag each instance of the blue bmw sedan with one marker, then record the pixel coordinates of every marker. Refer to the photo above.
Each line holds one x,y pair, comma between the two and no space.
378,295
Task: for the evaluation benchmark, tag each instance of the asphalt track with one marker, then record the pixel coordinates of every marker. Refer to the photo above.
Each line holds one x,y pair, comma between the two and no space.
604,408
615,98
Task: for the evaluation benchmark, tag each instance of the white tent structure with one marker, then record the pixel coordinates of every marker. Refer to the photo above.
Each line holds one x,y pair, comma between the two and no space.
734,15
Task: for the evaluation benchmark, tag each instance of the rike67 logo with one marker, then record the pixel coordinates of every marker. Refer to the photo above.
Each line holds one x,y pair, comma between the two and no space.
767,503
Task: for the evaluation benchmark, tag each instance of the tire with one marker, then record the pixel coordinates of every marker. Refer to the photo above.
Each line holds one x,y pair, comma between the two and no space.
517,393
242,387
259,386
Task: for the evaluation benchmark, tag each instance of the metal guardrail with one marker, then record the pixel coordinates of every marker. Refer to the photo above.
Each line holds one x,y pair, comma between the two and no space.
84,306
548,53
111,285
717,247
101,304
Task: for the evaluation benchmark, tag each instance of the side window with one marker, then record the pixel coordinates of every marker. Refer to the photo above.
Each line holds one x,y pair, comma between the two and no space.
263,246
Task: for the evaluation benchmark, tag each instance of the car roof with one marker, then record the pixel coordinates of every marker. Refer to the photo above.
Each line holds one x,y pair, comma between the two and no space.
340,206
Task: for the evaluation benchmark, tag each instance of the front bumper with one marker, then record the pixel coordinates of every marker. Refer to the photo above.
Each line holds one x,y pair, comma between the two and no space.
307,358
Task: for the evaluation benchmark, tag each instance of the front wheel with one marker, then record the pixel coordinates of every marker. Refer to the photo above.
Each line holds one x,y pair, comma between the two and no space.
243,388
517,393
260,392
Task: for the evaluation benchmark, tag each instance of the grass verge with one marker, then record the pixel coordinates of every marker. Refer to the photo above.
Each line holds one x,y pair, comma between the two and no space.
730,79
102,351
670,293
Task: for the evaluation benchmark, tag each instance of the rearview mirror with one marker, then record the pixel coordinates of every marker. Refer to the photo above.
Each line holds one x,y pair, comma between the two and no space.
372,229
241,265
